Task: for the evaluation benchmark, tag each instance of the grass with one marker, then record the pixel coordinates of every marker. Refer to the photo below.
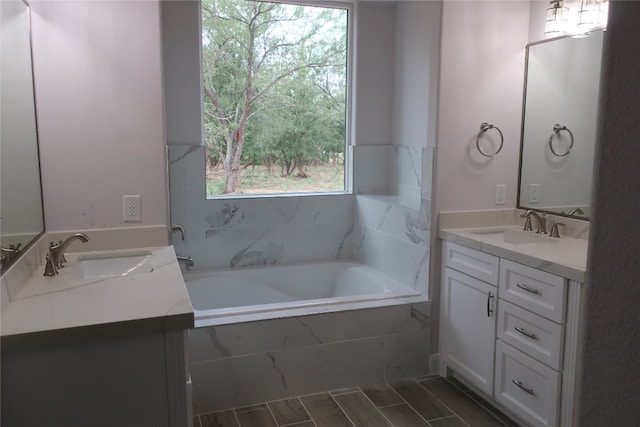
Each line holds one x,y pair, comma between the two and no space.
258,180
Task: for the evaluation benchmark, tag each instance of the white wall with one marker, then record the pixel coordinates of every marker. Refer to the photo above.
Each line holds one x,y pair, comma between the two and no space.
98,74
373,74
416,60
481,80
611,374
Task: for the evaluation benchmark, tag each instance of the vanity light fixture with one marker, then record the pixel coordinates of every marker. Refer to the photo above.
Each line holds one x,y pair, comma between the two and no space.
556,21
593,13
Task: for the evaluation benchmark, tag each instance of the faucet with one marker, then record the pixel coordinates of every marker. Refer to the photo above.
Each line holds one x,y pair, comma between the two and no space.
55,257
541,220
176,227
575,211
188,261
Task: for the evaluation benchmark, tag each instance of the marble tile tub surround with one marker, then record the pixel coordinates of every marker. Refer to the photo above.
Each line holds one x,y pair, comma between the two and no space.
237,232
278,358
393,237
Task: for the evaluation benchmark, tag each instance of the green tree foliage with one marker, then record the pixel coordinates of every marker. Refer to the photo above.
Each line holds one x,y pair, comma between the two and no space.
274,80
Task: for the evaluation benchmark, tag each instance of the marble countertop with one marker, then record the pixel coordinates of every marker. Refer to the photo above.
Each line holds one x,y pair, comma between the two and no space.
565,256
62,309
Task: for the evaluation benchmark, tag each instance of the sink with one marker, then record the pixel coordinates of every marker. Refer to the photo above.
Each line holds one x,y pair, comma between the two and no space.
111,265
514,237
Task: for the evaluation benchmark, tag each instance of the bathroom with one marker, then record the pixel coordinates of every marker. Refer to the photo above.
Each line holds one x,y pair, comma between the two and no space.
476,76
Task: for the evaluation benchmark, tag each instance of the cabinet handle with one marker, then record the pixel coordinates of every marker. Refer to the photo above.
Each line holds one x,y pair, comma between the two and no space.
528,289
528,390
489,309
525,333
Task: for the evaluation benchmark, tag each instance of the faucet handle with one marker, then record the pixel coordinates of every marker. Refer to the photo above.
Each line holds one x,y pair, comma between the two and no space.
554,229
50,267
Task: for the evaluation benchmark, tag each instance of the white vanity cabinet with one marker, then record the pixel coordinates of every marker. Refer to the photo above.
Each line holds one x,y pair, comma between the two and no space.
510,331
469,314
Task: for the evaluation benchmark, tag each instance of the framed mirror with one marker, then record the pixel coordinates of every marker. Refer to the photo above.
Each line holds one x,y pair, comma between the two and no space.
21,212
562,82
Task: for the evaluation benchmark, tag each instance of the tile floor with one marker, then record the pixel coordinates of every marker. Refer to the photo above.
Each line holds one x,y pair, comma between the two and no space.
414,402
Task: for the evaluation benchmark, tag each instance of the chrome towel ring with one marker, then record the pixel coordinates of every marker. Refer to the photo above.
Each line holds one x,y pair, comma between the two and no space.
483,128
556,130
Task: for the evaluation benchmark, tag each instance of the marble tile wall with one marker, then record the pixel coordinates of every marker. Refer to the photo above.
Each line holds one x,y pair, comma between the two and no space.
237,232
393,237
245,363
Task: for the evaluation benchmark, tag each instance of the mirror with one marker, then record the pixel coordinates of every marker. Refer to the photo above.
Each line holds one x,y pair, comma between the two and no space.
559,124
21,214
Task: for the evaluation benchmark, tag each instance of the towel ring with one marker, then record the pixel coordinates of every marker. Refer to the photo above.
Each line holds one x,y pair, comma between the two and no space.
483,128
556,130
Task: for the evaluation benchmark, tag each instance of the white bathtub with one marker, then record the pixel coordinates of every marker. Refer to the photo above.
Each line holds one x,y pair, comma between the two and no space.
270,291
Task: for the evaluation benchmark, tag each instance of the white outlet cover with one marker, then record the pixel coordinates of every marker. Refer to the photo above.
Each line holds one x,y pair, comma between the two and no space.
131,211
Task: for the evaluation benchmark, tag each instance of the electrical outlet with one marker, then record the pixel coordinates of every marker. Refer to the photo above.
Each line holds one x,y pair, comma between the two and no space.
501,194
131,209
534,193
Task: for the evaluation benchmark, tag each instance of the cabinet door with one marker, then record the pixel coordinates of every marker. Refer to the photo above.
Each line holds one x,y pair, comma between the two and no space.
469,327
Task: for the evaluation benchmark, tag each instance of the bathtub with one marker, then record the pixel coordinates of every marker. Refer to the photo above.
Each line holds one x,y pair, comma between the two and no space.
258,293
268,333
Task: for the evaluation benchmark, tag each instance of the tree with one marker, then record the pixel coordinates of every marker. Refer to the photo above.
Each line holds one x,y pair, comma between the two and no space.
249,50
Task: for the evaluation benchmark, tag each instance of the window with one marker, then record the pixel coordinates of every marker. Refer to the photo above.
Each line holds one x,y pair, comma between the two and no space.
275,89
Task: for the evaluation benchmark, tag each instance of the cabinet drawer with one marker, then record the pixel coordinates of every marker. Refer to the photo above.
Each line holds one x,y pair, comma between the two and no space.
535,336
472,262
526,386
538,291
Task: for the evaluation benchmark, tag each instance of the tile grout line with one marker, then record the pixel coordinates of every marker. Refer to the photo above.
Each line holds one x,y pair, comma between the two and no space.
342,410
470,396
376,408
307,411
235,414
443,404
411,406
271,412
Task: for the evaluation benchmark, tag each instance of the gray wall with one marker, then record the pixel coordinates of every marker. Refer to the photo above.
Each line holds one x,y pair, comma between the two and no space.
610,389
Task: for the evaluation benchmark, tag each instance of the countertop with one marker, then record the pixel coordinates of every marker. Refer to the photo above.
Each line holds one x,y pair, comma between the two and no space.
56,310
564,256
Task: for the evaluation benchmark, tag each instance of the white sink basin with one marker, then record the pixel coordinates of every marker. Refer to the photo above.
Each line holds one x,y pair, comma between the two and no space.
106,265
515,237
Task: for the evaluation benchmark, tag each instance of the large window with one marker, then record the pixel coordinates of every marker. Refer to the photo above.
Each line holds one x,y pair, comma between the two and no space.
275,79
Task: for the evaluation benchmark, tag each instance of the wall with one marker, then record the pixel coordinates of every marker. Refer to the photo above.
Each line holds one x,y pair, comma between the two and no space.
611,322
481,80
98,76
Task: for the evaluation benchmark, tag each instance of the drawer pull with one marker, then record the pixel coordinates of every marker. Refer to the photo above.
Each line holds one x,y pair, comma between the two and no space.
528,289
528,390
489,309
525,333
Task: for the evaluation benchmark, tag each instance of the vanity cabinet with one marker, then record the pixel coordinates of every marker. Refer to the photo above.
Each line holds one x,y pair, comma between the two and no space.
468,310
510,331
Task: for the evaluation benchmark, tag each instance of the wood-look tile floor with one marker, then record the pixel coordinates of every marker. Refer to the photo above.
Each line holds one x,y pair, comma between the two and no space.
415,402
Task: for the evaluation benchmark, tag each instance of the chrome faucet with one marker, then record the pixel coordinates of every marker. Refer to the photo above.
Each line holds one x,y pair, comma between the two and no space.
575,211
55,257
541,220
188,261
176,227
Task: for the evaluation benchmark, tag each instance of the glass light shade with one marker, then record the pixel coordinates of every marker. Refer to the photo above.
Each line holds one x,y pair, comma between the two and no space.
556,21
593,13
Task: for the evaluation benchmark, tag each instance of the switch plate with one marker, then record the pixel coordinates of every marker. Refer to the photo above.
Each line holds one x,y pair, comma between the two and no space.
534,193
131,209
501,194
